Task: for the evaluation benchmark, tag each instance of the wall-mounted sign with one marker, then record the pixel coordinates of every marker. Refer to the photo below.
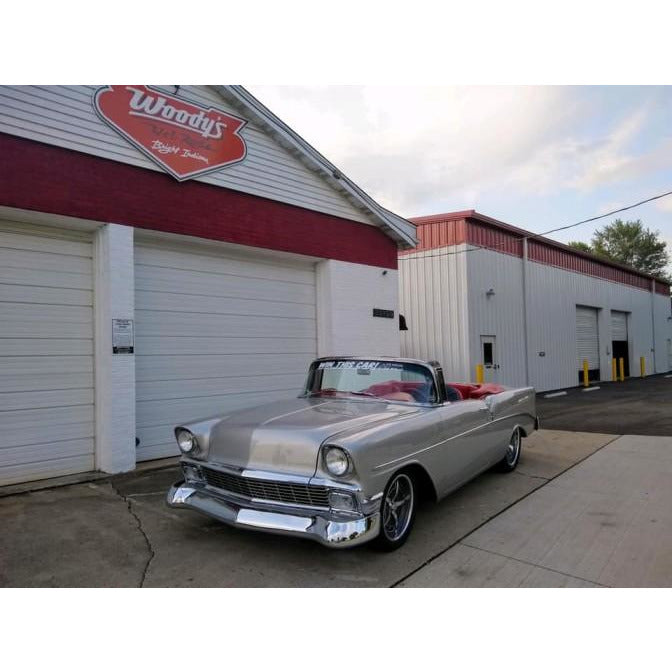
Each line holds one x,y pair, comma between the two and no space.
122,337
183,138
382,312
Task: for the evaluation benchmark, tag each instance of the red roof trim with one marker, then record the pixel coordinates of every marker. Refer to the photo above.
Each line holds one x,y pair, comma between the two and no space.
469,226
44,178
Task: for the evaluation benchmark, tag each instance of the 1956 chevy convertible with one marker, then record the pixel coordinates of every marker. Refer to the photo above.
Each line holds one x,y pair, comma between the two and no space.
348,460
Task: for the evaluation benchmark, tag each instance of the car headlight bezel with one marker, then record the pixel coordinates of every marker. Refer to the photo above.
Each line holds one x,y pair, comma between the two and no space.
186,441
337,461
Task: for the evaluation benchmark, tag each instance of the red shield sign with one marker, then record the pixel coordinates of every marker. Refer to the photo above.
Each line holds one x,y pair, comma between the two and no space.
184,138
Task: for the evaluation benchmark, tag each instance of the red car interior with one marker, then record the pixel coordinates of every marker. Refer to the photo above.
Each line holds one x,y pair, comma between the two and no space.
396,390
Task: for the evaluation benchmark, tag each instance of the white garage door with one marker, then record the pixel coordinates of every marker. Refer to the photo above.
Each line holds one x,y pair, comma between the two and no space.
619,326
587,341
215,333
46,353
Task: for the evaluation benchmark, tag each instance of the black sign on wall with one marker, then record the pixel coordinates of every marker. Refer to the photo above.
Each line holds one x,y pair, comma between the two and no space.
381,312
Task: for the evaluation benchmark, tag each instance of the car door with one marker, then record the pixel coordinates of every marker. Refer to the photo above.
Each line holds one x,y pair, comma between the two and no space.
464,443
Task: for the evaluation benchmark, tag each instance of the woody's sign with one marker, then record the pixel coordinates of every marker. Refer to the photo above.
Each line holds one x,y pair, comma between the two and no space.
182,137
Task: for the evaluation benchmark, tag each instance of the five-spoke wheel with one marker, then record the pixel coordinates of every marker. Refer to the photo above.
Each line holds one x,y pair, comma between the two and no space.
397,512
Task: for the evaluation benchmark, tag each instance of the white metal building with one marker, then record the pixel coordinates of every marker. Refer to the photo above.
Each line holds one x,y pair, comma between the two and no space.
473,292
166,253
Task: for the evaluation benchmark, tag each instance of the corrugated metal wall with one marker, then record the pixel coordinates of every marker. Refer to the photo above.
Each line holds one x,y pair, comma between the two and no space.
445,300
433,299
499,315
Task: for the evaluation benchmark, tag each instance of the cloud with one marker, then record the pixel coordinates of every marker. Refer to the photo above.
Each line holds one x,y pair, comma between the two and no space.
415,149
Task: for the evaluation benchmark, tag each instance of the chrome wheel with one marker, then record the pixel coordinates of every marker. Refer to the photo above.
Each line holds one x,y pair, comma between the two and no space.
397,507
513,449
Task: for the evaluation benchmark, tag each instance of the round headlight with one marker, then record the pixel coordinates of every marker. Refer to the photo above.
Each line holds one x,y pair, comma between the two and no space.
185,440
336,461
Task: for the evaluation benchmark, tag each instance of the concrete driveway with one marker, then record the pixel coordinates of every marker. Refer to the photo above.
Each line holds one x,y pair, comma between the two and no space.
120,533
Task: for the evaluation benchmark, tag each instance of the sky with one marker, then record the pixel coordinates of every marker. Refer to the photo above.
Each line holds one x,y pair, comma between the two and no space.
537,157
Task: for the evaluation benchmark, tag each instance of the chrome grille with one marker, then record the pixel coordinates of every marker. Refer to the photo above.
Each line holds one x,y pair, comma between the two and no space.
276,491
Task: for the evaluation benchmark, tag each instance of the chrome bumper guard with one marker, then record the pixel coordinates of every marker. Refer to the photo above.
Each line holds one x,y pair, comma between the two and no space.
317,526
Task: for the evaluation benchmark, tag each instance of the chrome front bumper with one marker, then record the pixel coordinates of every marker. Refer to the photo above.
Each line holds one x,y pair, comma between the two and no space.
311,525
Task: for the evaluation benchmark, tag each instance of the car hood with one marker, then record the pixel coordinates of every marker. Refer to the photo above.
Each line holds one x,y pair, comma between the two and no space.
285,436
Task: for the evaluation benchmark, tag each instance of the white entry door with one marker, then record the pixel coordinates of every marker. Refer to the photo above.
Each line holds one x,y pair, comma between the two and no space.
489,358
216,331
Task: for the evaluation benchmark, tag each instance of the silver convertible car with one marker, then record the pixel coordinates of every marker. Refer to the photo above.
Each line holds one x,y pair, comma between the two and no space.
348,460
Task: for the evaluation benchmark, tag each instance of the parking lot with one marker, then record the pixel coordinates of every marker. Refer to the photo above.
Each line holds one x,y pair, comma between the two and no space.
533,527
638,406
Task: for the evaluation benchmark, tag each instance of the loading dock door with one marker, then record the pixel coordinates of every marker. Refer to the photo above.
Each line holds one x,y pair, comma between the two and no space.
619,338
587,341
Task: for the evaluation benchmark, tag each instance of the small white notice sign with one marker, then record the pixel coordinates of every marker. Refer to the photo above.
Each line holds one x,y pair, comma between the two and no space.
122,337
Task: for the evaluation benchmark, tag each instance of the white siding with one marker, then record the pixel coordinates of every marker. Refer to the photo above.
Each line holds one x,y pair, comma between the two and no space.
215,332
46,353
347,294
64,116
433,299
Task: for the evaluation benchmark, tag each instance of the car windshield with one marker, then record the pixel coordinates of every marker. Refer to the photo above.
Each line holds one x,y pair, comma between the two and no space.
392,381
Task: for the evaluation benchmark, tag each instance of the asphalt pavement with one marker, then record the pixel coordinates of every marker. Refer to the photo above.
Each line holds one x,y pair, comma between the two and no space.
638,406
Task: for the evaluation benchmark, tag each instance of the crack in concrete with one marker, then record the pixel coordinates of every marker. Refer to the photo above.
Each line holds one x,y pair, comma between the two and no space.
534,564
150,548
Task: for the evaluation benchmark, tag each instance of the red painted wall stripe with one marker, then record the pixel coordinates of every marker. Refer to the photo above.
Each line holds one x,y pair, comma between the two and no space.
36,176
441,231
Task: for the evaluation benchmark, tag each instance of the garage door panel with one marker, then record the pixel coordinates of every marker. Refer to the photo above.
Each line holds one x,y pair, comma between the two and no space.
39,278
215,345
49,244
17,401
200,283
14,436
45,381
47,346
212,305
40,452
47,469
21,319
194,367
43,261
166,323
16,366
53,295
203,387
221,265
46,354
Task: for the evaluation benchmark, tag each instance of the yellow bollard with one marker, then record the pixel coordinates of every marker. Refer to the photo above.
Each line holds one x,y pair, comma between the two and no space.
642,366
614,374
621,368
479,374
586,382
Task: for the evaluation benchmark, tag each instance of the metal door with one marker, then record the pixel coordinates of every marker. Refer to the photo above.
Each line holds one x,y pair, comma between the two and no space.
489,358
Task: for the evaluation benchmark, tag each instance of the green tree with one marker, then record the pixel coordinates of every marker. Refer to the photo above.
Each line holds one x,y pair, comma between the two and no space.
632,244
579,245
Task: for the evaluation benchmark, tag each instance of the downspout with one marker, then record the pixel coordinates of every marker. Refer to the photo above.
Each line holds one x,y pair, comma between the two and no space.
653,323
525,319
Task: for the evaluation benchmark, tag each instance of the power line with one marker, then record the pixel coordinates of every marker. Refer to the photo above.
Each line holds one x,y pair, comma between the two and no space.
545,233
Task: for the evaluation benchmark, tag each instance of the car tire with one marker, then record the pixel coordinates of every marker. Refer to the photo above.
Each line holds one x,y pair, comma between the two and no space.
397,512
510,461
